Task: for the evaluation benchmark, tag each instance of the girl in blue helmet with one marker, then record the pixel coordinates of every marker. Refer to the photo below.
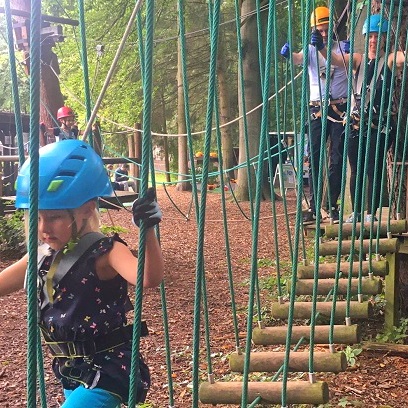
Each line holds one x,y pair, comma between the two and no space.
376,28
83,276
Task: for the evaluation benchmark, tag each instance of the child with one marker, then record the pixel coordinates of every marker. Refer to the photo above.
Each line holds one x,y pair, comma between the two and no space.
68,128
82,309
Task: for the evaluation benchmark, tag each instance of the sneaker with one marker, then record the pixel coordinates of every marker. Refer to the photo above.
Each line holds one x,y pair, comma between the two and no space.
351,217
370,218
309,216
334,214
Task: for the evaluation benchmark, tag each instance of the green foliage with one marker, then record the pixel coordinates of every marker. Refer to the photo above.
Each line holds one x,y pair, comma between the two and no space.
113,229
12,237
351,355
265,263
395,335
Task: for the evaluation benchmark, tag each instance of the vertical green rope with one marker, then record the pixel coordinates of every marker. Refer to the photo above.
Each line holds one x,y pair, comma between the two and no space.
350,92
255,222
398,197
146,154
298,221
243,102
35,61
201,221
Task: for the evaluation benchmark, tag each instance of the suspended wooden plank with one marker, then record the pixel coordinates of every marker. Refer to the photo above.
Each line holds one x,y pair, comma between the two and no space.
298,392
328,270
272,361
303,310
277,335
384,246
368,286
396,227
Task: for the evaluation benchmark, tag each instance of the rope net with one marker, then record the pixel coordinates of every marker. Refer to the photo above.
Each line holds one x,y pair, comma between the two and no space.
337,269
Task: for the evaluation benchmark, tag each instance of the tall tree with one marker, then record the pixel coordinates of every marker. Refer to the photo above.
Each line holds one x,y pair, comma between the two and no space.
51,96
253,97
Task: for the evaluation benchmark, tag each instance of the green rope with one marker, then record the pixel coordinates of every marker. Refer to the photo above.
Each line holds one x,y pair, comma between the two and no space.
201,219
264,135
343,189
398,198
40,371
35,64
388,119
146,149
298,221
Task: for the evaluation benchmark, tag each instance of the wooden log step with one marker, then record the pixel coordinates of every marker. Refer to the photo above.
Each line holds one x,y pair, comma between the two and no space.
272,361
303,310
277,335
328,270
298,392
396,227
369,286
384,246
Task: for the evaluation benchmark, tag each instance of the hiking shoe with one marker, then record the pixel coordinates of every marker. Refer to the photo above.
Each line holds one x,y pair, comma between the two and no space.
351,217
309,216
370,218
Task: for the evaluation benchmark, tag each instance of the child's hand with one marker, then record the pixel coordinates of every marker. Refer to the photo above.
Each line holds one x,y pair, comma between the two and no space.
147,209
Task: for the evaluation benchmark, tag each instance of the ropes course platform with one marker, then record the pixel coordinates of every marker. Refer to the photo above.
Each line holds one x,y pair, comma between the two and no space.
119,200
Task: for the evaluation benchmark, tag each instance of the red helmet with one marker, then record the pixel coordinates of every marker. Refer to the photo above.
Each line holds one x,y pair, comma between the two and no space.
64,112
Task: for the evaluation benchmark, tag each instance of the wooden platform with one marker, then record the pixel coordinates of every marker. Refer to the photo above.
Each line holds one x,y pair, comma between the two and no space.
120,199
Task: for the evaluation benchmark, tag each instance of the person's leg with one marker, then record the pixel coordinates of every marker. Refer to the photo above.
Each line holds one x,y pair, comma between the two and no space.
315,130
132,185
336,162
84,397
352,153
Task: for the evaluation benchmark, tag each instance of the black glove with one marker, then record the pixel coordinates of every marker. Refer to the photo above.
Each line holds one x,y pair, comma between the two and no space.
147,209
317,40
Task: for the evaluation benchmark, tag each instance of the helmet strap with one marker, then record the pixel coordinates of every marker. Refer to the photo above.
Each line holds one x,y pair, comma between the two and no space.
75,235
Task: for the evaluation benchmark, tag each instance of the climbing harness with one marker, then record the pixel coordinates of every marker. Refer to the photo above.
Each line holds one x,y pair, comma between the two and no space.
88,348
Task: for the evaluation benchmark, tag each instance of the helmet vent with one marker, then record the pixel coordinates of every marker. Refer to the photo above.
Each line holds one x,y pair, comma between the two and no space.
67,173
77,157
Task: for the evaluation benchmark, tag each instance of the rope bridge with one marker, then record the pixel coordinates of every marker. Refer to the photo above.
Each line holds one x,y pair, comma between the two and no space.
335,272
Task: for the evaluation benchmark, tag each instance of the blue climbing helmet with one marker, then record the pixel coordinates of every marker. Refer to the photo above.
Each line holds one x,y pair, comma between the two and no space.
70,174
372,24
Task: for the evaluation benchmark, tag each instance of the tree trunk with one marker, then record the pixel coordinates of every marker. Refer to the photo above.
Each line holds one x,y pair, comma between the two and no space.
51,96
225,113
164,139
182,185
253,97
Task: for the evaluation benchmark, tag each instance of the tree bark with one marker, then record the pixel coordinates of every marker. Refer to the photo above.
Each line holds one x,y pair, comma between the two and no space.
225,113
253,97
182,185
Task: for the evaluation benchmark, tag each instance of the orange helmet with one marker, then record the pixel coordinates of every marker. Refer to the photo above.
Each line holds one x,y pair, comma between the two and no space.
319,16
64,112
